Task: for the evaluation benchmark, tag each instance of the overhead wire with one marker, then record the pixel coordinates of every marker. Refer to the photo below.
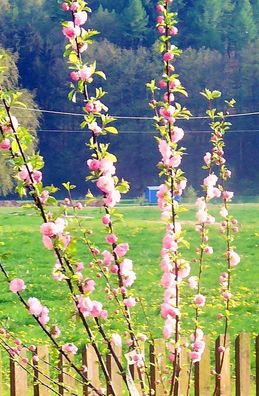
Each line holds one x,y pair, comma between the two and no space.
142,132
67,113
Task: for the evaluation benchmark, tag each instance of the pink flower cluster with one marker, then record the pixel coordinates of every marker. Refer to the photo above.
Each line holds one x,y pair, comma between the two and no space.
17,285
91,308
70,348
38,310
198,345
28,175
53,229
104,169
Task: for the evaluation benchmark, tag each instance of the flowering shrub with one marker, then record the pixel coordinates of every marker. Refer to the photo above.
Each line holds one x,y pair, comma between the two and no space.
112,265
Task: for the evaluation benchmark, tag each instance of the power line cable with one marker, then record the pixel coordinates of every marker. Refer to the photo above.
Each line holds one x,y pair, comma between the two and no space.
55,112
142,132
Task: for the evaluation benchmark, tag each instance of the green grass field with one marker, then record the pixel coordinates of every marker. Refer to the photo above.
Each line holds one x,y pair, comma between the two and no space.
141,227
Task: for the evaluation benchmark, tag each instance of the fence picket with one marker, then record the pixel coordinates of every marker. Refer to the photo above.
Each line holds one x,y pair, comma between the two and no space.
242,346
223,384
184,373
202,371
67,385
90,360
157,366
18,376
42,365
114,371
158,371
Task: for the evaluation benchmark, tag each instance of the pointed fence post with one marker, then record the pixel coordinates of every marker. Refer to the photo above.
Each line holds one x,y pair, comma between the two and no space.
40,368
223,384
67,385
90,360
185,369
157,366
202,371
18,376
242,346
113,371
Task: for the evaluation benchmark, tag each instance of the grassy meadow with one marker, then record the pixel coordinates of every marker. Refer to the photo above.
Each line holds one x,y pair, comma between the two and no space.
141,227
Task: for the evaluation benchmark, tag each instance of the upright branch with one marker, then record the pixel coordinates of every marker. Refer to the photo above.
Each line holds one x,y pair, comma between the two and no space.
167,111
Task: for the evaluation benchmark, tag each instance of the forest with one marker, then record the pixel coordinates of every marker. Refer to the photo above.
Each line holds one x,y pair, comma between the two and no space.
220,44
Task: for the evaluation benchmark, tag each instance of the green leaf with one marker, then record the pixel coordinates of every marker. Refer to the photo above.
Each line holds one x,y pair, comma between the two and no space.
111,130
101,74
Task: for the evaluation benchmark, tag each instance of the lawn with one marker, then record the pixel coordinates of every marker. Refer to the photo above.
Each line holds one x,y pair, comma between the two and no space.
19,231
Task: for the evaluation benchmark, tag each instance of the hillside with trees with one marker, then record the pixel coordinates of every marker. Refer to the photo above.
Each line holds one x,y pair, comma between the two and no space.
220,46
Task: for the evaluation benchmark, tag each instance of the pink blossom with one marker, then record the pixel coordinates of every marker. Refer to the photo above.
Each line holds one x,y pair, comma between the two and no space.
129,302
114,269
233,258
116,339
74,76
168,56
37,176
160,19
80,18
226,295
35,307
70,31
93,164
121,249
227,195
168,280
208,250
111,239
97,309
200,203
195,356
105,184
74,6
169,327
199,300
85,305
5,144
107,167
44,316
198,346
165,150
207,158
198,335
174,83
173,31
85,73
95,128
160,8
65,6
177,134
201,216
44,196
168,310
89,286
162,84
17,285
70,348
210,180
107,257
49,229
161,29
221,349
106,219
193,282
79,266
112,198
47,242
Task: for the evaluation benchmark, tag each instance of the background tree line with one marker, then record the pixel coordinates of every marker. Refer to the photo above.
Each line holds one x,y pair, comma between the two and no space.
220,46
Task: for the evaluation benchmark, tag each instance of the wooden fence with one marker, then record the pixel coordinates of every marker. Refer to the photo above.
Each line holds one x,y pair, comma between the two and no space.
240,384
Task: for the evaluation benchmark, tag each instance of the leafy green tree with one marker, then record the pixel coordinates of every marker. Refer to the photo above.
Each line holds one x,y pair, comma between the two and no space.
242,29
9,80
104,18
135,21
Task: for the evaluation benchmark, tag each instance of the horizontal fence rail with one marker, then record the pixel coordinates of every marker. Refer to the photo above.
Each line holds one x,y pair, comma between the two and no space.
40,377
